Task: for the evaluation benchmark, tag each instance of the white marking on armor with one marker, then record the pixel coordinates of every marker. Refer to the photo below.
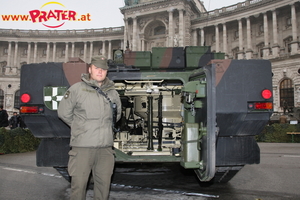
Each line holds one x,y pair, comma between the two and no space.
54,94
54,105
54,91
59,98
47,98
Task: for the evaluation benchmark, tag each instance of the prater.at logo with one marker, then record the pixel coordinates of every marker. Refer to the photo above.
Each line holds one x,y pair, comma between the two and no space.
55,18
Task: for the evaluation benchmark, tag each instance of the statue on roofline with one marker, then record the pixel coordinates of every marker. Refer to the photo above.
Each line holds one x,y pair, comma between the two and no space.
131,2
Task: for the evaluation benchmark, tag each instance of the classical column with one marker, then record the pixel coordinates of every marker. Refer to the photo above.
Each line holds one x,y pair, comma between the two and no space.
54,52
143,44
241,50
266,50
66,52
35,52
240,35
109,50
275,32
8,58
122,44
225,39
249,41
294,22
294,44
266,30
91,50
249,52
217,38
171,29
73,50
84,52
16,54
134,34
47,52
202,37
181,31
275,47
9,54
195,39
103,48
28,52
125,33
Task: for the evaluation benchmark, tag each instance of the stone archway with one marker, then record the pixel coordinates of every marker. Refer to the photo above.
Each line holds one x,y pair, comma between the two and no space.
155,34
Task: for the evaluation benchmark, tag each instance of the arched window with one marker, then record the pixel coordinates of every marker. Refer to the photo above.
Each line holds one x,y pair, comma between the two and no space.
160,30
17,99
1,97
287,92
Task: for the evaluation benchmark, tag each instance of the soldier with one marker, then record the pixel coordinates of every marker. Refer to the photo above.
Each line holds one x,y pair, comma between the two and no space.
87,109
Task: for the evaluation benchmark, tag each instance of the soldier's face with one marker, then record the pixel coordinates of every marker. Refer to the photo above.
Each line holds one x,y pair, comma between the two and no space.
97,73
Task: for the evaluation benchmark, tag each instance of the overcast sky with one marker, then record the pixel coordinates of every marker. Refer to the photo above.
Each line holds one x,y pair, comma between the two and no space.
94,13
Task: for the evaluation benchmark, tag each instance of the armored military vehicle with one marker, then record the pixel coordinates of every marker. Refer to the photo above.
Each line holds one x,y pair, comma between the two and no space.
183,105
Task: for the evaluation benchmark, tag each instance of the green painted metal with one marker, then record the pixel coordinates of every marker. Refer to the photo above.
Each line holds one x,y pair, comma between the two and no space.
199,56
52,96
190,146
140,59
219,56
171,58
168,57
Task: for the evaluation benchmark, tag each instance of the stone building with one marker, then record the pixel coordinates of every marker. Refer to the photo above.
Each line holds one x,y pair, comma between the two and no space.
253,29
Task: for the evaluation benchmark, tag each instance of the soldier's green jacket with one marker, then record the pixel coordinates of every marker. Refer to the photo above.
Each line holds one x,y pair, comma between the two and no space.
89,114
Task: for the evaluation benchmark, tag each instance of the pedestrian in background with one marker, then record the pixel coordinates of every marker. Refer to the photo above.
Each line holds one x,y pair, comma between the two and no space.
14,121
3,117
21,122
285,106
87,107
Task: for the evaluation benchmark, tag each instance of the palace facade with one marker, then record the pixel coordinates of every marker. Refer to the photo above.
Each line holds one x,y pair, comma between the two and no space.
253,29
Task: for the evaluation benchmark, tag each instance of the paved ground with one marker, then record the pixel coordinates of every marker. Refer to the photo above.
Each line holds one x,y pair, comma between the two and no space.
275,178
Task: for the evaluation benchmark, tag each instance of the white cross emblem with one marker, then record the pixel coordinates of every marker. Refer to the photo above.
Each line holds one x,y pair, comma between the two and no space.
52,96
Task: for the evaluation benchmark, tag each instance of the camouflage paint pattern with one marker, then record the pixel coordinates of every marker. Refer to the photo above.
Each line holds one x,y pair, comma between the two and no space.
229,85
73,70
199,56
168,57
138,58
171,58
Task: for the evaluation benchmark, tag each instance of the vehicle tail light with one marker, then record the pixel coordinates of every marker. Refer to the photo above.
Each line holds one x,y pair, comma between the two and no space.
260,106
266,94
29,109
25,98
263,106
